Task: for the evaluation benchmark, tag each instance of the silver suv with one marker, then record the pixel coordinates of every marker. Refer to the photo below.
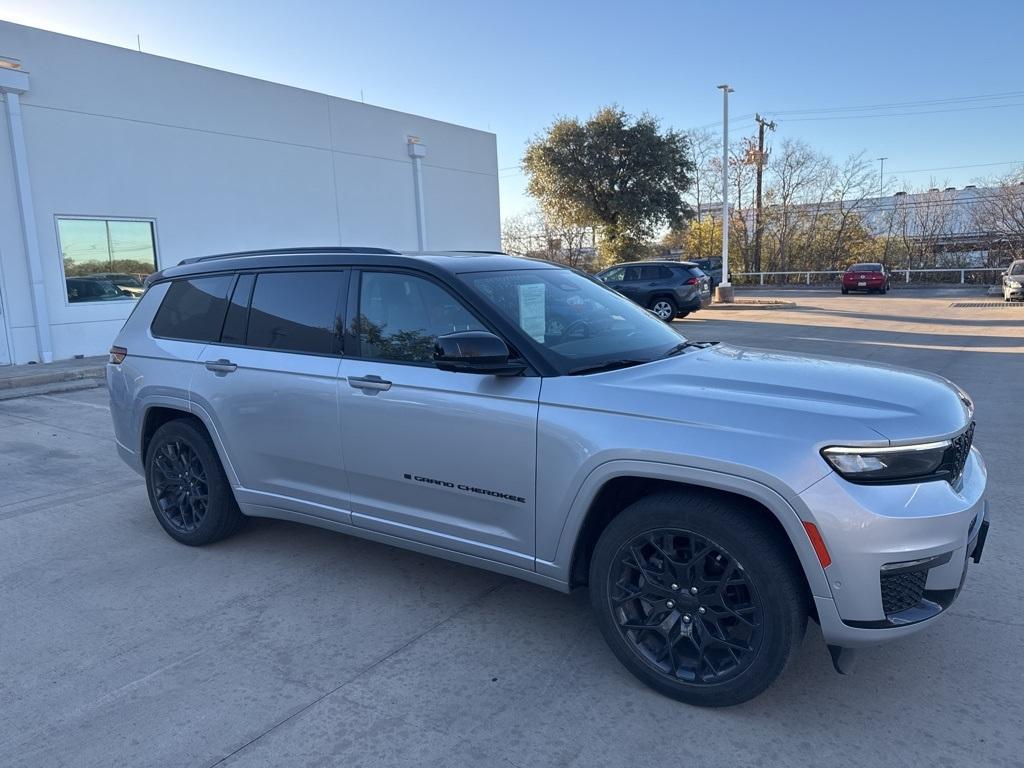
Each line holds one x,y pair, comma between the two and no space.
522,417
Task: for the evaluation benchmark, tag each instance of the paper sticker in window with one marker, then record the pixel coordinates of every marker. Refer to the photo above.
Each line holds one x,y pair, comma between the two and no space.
531,310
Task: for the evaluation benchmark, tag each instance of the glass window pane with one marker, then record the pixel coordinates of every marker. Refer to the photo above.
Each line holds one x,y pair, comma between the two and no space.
238,311
400,316
105,260
193,309
296,312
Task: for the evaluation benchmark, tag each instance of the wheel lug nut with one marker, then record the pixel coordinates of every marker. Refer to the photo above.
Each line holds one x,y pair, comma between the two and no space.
702,609
693,590
675,587
686,618
670,604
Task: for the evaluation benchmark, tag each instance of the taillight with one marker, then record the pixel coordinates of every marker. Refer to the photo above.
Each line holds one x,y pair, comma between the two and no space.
692,281
117,355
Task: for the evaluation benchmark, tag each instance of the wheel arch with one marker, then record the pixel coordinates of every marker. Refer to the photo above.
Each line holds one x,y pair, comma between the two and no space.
156,415
611,487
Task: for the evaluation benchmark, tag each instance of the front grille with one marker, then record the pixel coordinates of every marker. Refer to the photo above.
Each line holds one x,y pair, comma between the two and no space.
901,591
958,453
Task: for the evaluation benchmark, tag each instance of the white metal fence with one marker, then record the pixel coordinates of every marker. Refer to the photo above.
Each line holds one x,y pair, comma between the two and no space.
964,276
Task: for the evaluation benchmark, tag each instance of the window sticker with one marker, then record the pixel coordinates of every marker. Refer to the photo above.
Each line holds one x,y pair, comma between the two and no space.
531,310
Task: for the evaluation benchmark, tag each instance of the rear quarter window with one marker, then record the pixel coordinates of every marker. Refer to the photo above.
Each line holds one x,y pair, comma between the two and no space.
193,309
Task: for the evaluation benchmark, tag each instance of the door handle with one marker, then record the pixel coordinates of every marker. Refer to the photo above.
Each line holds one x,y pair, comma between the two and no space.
221,366
371,384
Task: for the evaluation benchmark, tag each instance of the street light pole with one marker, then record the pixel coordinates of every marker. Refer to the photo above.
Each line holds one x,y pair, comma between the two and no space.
881,176
724,292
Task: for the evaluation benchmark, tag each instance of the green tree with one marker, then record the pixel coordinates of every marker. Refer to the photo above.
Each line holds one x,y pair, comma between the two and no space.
620,175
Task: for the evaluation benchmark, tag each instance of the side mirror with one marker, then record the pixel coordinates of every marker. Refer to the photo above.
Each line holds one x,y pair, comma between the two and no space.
474,352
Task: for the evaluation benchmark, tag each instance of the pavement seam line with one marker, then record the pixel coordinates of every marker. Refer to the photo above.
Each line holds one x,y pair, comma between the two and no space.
373,665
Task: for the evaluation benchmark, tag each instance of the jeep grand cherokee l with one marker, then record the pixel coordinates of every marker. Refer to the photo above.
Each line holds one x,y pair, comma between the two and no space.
518,416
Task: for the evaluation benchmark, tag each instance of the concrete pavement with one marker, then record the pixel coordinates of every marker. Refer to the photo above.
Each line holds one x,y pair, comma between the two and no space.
293,646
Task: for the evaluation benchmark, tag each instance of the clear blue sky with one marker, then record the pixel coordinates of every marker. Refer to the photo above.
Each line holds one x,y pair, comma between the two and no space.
510,67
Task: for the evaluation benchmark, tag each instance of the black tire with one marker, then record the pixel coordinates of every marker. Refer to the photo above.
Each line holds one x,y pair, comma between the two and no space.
764,618
844,291
664,308
182,464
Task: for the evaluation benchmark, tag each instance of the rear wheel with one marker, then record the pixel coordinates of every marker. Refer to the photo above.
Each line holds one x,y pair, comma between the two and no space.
188,490
697,598
664,308
844,291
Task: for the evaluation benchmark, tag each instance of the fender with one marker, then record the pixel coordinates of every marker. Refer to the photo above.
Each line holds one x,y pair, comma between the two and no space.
204,416
789,512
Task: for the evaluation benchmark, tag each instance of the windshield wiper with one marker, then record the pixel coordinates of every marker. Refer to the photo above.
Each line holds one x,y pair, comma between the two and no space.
685,345
608,365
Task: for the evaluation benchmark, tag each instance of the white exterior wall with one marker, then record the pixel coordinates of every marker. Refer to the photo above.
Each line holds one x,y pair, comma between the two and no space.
219,162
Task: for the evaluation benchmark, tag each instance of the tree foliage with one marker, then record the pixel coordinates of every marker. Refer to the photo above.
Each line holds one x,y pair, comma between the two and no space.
618,174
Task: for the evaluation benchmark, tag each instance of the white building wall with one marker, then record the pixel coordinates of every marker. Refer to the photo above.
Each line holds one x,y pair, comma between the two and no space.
219,162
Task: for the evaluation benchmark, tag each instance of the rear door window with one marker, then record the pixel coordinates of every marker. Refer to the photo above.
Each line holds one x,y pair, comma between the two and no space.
297,312
193,309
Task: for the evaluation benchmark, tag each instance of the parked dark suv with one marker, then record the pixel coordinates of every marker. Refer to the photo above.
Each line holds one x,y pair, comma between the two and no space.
668,288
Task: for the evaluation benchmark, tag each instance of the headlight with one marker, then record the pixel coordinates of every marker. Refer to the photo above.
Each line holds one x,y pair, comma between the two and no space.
1013,283
891,464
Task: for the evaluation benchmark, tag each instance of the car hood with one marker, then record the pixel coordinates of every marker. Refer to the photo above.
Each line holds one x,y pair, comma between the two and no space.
814,398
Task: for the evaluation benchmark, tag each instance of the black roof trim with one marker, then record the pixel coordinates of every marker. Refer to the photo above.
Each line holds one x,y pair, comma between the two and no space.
285,251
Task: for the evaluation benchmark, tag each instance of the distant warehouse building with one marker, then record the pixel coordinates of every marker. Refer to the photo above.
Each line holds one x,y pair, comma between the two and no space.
115,163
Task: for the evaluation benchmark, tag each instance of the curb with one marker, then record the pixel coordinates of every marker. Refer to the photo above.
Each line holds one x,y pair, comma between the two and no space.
51,388
752,305
51,377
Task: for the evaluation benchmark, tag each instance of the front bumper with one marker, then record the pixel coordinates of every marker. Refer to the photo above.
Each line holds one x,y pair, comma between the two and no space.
1013,293
871,530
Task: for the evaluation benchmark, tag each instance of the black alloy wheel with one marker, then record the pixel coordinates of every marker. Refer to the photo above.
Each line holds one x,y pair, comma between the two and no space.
685,606
188,490
699,595
180,485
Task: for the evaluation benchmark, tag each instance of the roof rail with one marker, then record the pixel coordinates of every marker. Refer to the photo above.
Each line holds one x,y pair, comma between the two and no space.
283,251
474,250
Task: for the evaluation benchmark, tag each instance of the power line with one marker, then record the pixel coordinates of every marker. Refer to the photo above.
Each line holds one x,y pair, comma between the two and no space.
900,104
897,114
957,167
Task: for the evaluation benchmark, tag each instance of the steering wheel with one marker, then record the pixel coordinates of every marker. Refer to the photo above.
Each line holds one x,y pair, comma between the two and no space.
581,325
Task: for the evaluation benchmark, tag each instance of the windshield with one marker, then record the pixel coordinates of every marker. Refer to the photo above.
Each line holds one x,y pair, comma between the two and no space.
1017,268
574,320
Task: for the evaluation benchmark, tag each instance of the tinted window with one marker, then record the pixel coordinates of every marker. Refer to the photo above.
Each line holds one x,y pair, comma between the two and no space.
655,272
632,273
238,311
1017,268
400,316
296,312
695,272
193,309
866,268
613,275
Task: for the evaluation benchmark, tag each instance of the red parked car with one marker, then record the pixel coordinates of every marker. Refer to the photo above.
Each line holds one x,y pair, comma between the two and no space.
865,277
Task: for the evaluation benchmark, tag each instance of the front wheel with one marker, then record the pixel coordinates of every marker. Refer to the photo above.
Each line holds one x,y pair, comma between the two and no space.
664,308
697,598
844,291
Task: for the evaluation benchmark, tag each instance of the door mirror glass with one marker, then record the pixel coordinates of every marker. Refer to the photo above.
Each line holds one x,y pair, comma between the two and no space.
474,352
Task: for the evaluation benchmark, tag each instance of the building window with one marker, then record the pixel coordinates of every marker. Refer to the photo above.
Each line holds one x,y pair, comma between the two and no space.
105,259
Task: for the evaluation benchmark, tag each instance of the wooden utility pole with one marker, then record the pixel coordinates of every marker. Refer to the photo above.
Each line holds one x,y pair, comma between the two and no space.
761,125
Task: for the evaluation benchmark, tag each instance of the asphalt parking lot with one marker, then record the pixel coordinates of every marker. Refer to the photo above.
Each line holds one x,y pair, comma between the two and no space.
293,646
